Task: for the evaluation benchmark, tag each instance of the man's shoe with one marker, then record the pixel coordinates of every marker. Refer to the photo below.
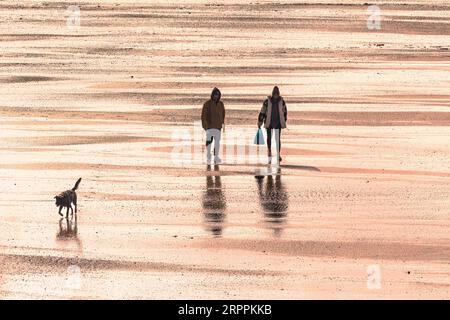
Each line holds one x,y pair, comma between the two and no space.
279,159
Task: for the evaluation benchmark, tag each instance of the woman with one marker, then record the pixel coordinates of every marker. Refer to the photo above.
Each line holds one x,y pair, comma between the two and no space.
274,115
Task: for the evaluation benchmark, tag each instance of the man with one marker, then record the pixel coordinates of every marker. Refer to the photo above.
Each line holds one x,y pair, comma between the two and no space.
274,115
213,119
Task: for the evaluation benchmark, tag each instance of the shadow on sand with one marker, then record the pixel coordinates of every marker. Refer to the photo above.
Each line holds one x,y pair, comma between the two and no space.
284,166
297,167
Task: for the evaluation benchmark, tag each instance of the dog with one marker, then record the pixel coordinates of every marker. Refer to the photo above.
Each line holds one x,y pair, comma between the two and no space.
66,198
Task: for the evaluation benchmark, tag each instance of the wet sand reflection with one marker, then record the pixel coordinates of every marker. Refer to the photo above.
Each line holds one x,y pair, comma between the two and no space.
68,231
214,204
274,201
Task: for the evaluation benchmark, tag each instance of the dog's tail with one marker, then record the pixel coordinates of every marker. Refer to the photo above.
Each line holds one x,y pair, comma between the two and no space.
76,185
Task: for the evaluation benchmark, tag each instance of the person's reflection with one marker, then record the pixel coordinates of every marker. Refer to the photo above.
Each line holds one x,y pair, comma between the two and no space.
68,230
214,204
274,201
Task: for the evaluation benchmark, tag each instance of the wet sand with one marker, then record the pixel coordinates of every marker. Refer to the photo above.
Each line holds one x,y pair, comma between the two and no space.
364,181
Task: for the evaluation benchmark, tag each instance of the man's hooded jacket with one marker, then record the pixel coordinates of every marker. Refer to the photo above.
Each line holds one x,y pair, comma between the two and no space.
213,113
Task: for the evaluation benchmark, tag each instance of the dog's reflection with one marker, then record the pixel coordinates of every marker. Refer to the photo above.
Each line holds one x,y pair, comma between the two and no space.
214,204
68,228
274,201
68,232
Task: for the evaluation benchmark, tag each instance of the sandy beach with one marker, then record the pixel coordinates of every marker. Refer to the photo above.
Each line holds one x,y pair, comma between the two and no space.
358,209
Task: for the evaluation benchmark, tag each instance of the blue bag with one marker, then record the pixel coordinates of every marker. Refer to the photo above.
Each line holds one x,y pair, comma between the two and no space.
259,138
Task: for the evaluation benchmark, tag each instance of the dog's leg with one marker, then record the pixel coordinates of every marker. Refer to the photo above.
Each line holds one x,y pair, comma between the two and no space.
71,209
60,209
75,202
67,212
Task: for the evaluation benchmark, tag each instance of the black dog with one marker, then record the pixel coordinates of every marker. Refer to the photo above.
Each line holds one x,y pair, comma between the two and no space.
66,199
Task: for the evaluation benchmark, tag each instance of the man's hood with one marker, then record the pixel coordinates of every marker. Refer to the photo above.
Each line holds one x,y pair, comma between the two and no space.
216,90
